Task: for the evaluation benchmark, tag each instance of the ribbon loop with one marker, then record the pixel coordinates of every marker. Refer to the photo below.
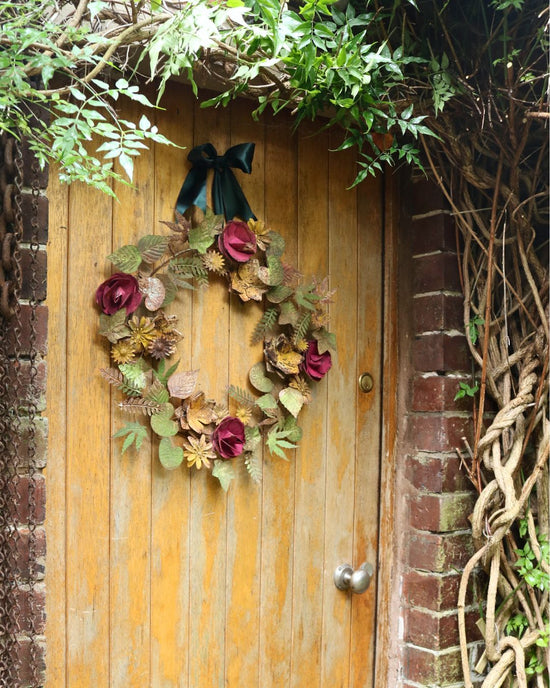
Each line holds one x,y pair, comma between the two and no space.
227,196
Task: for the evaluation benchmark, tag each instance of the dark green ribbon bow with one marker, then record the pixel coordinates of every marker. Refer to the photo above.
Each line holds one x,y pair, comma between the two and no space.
227,196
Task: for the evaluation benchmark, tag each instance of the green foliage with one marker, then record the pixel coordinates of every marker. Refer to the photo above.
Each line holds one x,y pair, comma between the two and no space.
466,390
170,455
224,472
268,319
278,440
253,465
528,565
134,433
474,323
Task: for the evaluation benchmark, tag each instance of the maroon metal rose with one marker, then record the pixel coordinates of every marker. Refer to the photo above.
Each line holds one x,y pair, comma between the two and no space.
119,291
237,241
316,365
228,438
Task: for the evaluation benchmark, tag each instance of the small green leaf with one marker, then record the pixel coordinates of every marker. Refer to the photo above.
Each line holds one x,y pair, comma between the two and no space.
292,399
135,434
259,379
253,438
170,456
114,326
135,373
224,472
267,401
277,245
277,441
162,422
325,340
126,258
200,239
253,465
279,293
152,247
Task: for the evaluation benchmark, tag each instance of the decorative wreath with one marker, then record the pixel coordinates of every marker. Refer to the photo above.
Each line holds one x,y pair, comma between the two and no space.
293,327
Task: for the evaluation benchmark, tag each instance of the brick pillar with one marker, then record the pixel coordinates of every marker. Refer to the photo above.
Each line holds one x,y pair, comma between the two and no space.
439,498
29,488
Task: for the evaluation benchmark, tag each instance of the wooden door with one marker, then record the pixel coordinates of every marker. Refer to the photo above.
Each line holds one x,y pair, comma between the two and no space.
159,578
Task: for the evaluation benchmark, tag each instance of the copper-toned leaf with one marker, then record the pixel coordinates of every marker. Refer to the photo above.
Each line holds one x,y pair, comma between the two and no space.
247,283
199,413
153,290
181,385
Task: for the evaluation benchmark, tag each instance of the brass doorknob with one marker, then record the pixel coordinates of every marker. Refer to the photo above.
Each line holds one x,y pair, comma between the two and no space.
345,578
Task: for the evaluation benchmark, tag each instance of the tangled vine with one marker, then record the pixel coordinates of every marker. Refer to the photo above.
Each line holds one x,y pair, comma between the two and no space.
491,161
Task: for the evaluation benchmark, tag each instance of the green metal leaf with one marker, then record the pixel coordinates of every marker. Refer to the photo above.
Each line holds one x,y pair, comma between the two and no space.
126,258
170,456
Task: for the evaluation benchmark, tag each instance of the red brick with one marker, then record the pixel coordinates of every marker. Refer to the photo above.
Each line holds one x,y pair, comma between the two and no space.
21,389
423,196
42,217
437,631
431,590
442,473
25,323
437,393
439,552
441,352
438,433
29,498
434,233
432,668
435,272
24,544
20,436
27,655
441,513
39,267
438,312
31,609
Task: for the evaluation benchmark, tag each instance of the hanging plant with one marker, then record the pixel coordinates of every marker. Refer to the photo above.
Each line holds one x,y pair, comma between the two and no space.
193,428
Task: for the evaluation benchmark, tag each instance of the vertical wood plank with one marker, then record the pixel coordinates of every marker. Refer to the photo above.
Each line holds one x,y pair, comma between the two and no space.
210,338
385,668
171,489
308,571
244,499
367,460
281,211
131,471
56,403
342,386
88,459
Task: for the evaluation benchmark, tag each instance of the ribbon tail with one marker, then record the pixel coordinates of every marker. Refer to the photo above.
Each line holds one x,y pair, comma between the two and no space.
193,190
228,197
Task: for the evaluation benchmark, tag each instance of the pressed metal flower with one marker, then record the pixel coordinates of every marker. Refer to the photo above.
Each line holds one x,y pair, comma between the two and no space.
263,237
123,351
302,386
161,347
198,452
143,331
244,414
214,261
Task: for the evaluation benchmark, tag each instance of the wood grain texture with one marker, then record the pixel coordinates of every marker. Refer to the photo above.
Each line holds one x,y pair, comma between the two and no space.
56,403
167,581
171,490
88,445
130,553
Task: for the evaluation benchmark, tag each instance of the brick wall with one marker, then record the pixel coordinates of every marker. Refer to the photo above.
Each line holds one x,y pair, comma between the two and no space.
436,540
28,489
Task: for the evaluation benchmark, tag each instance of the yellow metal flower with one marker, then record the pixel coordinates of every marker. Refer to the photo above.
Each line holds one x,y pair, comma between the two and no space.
214,261
198,452
263,239
143,331
123,351
302,386
244,414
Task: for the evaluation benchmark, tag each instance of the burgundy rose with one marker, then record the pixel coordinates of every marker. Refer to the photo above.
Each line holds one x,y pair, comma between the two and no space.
228,438
237,241
316,365
119,291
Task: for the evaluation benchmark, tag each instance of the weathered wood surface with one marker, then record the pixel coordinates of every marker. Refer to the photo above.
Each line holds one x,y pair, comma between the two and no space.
159,578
